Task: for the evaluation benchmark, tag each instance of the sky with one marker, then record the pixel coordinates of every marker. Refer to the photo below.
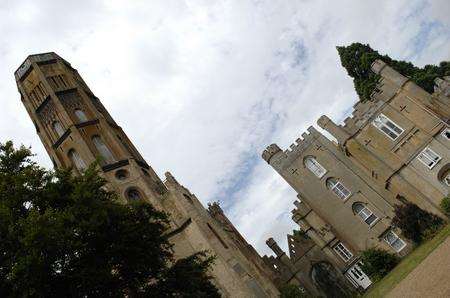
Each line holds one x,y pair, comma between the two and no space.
203,87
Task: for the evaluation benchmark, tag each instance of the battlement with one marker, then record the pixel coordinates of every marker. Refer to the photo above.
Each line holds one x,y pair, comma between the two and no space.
25,66
302,143
270,151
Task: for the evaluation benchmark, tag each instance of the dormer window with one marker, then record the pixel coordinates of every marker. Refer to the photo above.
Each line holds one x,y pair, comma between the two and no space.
80,115
338,188
314,166
387,126
58,128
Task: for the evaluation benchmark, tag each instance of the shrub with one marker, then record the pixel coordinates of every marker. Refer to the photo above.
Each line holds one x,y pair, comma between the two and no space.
415,223
445,205
292,291
376,263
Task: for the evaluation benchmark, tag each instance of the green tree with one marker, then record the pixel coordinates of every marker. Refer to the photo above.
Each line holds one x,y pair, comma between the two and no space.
357,59
66,236
445,205
377,263
415,222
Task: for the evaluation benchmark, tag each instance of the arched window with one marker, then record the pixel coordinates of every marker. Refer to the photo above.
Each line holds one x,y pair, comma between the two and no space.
338,188
58,128
314,166
103,149
365,213
133,194
447,179
80,115
77,161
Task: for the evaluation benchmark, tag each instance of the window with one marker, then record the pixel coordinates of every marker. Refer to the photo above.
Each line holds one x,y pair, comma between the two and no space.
121,174
77,161
80,115
428,157
314,166
394,241
343,252
133,194
338,188
447,179
388,127
103,149
365,213
58,128
446,133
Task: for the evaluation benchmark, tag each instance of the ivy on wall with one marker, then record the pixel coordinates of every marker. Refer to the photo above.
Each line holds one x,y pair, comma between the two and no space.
357,59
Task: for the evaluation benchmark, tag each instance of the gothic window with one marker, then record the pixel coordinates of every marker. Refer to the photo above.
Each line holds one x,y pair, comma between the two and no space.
80,115
387,126
338,188
365,213
428,157
103,149
446,179
133,194
394,241
58,128
314,166
446,133
343,252
77,161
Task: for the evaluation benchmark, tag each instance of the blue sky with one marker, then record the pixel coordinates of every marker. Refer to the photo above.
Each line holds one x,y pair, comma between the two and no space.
202,87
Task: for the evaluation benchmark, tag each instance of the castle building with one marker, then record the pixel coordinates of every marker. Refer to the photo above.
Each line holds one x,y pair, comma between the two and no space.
77,130
394,148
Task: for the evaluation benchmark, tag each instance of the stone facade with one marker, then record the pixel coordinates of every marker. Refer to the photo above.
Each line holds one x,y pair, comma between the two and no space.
394,148
77,130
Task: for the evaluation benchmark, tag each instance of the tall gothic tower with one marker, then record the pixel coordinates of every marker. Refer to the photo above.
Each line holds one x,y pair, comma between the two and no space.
77,130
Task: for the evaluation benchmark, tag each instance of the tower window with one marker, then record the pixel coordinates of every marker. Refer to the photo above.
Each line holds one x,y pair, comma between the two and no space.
365,213
104,151
314,166
80,115
58,128
343,252
121,174
447,179
338,188
133,194
429,158
394,241
387,126
77,161
446,133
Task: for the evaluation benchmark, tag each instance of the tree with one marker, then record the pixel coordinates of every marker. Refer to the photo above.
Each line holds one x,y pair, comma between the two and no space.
414,222
445,205
66,236
357,59
377,263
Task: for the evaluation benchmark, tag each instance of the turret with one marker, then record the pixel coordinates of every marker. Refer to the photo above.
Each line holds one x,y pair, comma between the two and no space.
335,130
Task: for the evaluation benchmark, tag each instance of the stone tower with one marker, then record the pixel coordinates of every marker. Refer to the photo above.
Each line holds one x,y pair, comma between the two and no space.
77,130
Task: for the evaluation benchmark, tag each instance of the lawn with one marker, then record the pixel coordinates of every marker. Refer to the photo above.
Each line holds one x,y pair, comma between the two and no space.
381,288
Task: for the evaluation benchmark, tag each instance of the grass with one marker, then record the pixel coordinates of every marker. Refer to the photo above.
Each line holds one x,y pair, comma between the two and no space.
385,285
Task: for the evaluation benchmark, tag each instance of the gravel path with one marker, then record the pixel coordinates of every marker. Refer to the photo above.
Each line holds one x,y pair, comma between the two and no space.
431,278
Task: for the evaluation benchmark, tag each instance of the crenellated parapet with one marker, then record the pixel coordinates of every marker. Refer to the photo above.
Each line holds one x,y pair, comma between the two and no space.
270,151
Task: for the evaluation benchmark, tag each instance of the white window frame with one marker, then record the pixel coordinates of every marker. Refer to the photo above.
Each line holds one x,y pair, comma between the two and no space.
339,189
426,157
447,130
383,122
317,169
58,128
366,213
447,179
396,240
343,252
81,115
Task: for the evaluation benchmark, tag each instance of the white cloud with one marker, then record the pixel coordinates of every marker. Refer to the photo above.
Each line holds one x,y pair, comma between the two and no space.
202,87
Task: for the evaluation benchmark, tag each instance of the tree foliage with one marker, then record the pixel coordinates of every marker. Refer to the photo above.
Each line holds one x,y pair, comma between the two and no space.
292,291
377,263
445,205
66,236
415,222
357,59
